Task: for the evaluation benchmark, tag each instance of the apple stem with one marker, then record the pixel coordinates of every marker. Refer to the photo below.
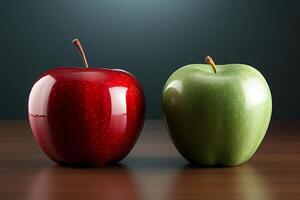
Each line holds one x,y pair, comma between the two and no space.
76,42
210,61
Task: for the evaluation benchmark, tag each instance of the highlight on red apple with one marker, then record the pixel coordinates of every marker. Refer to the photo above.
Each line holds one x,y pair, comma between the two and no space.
86,116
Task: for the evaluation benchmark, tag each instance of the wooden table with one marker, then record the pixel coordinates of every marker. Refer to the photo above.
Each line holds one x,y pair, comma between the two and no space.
153,170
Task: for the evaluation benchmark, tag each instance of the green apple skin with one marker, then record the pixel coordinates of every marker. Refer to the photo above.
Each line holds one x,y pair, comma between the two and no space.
217,118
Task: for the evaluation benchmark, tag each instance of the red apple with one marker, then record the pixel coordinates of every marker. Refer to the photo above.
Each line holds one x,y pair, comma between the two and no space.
86,116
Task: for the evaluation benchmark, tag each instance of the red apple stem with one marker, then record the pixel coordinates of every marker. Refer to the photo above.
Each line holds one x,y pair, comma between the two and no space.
77,43
210,61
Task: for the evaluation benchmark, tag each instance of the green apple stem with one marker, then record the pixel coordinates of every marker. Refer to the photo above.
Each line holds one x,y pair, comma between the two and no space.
210,61
76,42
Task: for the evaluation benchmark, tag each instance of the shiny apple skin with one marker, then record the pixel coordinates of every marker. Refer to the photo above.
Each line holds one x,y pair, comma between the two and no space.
86,116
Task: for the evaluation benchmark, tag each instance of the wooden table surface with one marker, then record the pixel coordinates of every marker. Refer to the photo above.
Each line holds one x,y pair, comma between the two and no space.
153,170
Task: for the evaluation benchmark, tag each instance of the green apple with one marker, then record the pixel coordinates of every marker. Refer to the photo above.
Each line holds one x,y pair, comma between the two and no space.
217,114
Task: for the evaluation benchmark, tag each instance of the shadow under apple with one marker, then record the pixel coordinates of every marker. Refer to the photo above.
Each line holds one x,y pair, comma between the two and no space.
113,182
242,182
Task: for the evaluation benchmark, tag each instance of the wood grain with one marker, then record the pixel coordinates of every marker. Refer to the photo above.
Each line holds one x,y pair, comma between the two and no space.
153,170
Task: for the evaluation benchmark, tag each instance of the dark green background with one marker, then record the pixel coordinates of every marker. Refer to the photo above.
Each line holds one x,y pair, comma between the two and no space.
150,38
